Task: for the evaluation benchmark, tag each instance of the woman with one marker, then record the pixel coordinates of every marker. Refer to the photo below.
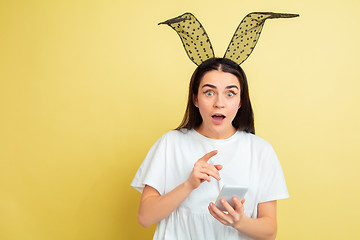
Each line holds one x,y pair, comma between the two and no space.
214,145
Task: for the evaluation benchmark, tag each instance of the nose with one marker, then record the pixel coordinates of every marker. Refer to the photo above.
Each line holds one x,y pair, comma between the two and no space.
219,102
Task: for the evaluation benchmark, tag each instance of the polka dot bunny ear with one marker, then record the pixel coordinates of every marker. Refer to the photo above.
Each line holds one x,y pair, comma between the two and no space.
197,43
193,36
247,34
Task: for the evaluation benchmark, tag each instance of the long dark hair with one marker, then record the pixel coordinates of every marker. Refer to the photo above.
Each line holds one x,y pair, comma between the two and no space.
244,119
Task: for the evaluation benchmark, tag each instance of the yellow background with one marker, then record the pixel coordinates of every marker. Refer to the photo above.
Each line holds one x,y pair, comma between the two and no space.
86,87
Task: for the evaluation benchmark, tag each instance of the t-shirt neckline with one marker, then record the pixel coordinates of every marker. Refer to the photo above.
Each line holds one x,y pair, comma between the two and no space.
212,140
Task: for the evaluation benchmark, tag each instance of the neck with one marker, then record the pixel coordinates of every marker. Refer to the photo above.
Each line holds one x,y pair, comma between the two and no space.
212,133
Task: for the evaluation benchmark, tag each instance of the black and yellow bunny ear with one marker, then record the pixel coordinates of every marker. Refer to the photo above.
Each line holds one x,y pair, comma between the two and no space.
247,34
193,36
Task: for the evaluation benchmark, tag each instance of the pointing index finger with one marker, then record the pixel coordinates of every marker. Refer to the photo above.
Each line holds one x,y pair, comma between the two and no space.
209,155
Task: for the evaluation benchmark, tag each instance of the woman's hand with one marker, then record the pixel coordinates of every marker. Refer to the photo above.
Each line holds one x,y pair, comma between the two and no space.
203,170
233,217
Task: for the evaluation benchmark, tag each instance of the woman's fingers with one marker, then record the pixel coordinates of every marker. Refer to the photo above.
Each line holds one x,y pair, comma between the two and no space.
228,207
233,216
207,156
239,208
207,168
216,216
211,171
202,170
201,175
220,214
204,176
218,167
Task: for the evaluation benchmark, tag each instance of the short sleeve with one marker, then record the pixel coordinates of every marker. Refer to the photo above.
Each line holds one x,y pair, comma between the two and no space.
273,185
152,170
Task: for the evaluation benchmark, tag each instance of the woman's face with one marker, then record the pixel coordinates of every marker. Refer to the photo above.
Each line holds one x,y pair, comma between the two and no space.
218,101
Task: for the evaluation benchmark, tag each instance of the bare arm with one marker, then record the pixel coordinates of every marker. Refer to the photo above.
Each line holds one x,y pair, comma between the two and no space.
264,227
155,207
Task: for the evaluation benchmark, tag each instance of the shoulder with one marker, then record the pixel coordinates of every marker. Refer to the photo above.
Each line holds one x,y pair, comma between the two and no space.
167,142
175,136
260,149
255,140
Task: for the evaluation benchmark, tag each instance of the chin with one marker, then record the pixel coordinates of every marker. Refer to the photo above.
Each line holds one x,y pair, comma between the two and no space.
221,128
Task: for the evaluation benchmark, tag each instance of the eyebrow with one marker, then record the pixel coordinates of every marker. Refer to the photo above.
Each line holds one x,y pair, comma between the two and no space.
212,86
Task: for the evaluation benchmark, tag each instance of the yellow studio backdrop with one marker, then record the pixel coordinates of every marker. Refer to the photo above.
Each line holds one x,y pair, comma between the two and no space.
86,88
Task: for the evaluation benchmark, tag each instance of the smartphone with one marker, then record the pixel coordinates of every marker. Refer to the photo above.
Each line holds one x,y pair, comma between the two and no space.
228,192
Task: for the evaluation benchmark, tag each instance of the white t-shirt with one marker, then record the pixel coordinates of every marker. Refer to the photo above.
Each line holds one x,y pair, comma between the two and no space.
247,160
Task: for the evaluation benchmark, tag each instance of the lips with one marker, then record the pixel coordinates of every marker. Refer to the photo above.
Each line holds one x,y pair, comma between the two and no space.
218,118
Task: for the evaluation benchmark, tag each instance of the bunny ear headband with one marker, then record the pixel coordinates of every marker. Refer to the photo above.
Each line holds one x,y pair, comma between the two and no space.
197,43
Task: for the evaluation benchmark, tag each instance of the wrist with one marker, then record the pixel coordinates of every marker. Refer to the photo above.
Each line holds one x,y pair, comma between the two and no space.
240,225
188,186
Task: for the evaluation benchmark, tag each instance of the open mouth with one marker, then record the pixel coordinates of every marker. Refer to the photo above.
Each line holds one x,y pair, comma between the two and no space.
218,116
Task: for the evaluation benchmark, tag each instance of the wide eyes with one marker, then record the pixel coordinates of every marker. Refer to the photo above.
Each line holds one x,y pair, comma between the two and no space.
211,93
230,94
